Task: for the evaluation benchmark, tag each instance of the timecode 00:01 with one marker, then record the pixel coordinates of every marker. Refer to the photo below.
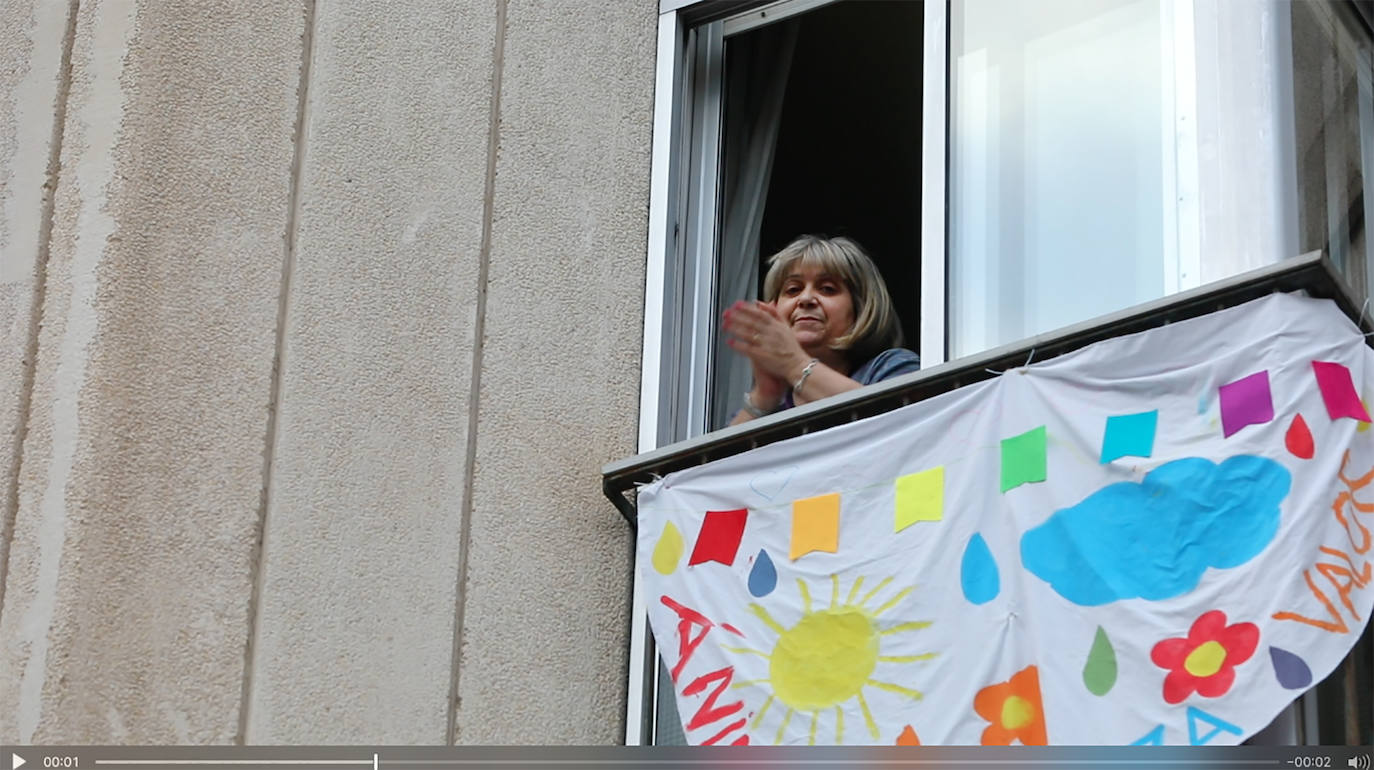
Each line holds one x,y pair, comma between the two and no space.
61,761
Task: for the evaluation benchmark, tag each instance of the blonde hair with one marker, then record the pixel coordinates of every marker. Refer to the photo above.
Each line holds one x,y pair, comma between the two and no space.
876,325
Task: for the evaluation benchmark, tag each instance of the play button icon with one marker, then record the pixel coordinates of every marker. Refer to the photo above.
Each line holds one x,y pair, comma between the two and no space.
16,762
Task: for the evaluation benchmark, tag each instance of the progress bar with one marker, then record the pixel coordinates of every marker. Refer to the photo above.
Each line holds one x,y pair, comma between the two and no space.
726,758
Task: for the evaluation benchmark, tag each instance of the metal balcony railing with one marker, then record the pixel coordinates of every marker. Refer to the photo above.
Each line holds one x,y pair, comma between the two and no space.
1311,272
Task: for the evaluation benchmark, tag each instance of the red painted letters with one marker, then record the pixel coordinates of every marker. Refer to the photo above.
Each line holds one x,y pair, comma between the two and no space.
708,712
686,643
692,628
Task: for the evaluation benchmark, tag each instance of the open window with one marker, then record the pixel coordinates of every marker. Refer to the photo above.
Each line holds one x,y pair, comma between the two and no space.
822,134
796,117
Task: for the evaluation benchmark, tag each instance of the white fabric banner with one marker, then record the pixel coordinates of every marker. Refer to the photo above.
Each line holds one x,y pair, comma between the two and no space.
1158,539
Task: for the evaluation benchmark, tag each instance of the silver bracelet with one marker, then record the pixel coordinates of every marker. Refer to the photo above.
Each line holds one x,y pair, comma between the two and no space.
754,410
805,373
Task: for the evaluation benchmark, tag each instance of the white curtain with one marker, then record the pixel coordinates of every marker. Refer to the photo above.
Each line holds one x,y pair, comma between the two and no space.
756,66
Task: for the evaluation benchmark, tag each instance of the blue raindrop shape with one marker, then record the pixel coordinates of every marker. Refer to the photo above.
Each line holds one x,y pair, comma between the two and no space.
763,578
978,572
1291,671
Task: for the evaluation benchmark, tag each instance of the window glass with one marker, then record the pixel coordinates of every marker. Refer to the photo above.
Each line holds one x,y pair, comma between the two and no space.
1058,164
1333,121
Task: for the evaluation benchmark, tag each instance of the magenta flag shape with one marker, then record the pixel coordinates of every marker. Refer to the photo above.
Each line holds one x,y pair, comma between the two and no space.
1246,401
1338,391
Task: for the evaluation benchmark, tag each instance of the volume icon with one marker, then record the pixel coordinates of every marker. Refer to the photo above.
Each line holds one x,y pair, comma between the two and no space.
1360,762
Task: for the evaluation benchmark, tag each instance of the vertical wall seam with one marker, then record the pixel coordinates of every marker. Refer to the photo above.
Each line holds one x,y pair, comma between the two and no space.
475,381
257,563
46,214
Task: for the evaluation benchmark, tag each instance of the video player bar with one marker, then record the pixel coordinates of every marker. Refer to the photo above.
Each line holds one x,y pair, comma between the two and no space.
675,758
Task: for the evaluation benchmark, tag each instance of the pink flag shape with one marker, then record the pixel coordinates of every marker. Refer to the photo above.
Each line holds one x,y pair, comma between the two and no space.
1338,391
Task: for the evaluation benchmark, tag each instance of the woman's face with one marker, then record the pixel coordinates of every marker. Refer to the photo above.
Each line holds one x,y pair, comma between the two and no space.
817,305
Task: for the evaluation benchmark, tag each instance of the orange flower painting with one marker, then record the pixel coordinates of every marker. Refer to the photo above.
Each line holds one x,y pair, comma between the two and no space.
1014,709
1205,660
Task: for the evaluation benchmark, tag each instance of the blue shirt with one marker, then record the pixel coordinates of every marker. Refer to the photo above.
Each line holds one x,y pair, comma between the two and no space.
884,366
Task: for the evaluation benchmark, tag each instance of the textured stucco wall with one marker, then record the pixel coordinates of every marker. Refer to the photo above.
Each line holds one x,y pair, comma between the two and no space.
545,633
32,40
355,642
340,319
127,603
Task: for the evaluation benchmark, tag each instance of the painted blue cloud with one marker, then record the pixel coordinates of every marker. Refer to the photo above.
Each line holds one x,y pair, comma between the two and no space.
1155,539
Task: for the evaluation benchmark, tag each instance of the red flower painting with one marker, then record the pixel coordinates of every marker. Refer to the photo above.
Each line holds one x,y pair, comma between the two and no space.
1205,661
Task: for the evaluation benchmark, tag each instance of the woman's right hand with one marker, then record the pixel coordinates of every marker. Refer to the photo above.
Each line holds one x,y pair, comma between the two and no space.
769,388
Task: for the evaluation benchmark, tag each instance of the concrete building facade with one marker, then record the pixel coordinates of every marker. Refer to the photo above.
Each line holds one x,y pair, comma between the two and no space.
319,320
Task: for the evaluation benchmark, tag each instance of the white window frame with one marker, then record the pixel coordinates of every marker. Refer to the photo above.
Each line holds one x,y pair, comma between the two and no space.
675,370
639,728
676,358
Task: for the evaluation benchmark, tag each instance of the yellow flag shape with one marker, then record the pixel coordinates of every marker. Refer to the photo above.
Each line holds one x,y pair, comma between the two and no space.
815,525
920,497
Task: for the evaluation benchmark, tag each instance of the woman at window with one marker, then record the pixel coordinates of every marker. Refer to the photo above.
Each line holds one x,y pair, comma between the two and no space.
826,326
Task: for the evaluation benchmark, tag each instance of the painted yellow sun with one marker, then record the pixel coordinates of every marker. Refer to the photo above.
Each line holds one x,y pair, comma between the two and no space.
830,656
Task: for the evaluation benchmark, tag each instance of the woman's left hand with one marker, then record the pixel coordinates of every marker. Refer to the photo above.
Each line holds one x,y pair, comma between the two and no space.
756,330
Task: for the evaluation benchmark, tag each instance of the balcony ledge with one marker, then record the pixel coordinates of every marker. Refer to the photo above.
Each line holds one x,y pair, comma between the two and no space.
1311,272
